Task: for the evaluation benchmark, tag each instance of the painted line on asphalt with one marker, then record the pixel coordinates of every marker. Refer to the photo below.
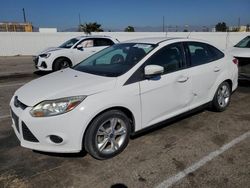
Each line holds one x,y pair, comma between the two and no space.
10,85
174,179
4,117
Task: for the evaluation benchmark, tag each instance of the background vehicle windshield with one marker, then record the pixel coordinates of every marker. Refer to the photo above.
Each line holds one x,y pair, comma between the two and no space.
115,60
244,43
69,43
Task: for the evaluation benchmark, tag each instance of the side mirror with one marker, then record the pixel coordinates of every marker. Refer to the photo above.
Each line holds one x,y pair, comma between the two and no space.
151,71
79,47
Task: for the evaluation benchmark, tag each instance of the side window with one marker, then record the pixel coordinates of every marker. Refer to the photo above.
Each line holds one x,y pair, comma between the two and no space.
217,53
200,53
103,42
87,43
170,57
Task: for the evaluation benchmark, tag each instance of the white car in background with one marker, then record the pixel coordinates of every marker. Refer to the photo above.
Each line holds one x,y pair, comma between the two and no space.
241,51
71,52
97,104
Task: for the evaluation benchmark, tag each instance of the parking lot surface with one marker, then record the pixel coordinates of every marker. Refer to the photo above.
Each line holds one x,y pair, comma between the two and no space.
152,159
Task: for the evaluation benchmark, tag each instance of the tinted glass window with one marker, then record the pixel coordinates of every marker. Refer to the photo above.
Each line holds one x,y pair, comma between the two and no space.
217,53
244,43
115,60
103,42
170,57
87,43
69,43
200,53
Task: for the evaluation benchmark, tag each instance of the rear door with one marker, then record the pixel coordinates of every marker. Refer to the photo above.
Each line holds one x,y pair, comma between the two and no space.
205,66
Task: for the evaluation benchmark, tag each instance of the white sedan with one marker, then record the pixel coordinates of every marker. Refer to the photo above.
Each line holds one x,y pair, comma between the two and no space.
119,91
71,52
241,51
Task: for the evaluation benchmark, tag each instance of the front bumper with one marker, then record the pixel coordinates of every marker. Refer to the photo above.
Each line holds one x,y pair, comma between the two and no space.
43,64
34,133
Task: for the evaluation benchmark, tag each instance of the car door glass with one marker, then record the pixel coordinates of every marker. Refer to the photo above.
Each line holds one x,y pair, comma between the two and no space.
103,42
87,43
199,53
170,57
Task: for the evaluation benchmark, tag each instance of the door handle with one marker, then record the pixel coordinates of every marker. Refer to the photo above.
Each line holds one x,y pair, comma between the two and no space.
216,69
183,79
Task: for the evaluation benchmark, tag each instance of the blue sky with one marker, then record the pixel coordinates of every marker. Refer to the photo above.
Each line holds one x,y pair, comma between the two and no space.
119,14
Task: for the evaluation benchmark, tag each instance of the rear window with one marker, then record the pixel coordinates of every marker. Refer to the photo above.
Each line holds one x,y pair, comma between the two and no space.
216,52
244,43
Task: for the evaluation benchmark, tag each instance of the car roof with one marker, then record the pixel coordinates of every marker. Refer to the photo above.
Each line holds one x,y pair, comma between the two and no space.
92,36
157,40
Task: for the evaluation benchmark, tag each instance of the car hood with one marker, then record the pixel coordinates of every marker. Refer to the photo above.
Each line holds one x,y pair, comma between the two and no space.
51,49
240,52
60,84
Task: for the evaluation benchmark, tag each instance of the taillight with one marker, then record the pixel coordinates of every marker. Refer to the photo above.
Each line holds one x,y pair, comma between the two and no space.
236,61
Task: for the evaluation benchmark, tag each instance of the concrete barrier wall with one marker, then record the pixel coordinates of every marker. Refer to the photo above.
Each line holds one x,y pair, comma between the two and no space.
12,44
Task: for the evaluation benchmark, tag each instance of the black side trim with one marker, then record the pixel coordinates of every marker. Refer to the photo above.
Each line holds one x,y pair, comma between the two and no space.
16,120
170,121
27,134
137,76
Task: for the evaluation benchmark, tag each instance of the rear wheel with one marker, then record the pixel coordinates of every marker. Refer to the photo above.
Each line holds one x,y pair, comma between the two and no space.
108,135
222,97
61,63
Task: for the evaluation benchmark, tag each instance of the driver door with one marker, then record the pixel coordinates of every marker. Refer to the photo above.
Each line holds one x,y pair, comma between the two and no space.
169,94
87,50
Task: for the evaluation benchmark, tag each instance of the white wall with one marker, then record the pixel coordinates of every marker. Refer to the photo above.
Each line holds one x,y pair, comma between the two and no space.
14,43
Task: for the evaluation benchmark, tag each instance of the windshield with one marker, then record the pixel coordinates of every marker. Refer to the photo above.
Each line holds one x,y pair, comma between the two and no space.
69,43
244,43
115,60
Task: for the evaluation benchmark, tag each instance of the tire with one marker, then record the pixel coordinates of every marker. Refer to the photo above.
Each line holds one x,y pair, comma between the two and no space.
61,63
222,97
107,135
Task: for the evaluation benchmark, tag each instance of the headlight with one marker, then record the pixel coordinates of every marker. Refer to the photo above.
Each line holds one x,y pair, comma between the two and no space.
56,107
46,55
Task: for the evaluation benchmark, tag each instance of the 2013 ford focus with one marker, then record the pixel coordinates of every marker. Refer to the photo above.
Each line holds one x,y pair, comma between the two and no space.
127,87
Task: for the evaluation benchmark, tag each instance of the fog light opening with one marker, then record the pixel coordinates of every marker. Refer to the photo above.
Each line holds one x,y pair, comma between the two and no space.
44,65
56,139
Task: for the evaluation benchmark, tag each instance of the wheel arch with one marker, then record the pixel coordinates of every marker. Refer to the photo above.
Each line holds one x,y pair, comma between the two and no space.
230,82
62,57
125,110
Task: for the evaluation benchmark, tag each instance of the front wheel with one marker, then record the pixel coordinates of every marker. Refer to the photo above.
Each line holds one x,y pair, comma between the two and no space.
107,135
61,63
222,97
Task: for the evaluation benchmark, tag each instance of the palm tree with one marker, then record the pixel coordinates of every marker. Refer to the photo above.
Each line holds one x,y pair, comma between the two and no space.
91,27
129,29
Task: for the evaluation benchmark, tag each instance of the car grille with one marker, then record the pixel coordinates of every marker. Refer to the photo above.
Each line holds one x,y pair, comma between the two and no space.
27,134
16,120
18,103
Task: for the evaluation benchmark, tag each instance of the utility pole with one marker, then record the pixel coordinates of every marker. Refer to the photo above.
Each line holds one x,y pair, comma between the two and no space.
239,23
24,16
80,22
79,17
163,24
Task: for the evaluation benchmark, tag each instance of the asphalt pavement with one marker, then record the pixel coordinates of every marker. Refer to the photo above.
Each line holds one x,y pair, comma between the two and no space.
204,149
